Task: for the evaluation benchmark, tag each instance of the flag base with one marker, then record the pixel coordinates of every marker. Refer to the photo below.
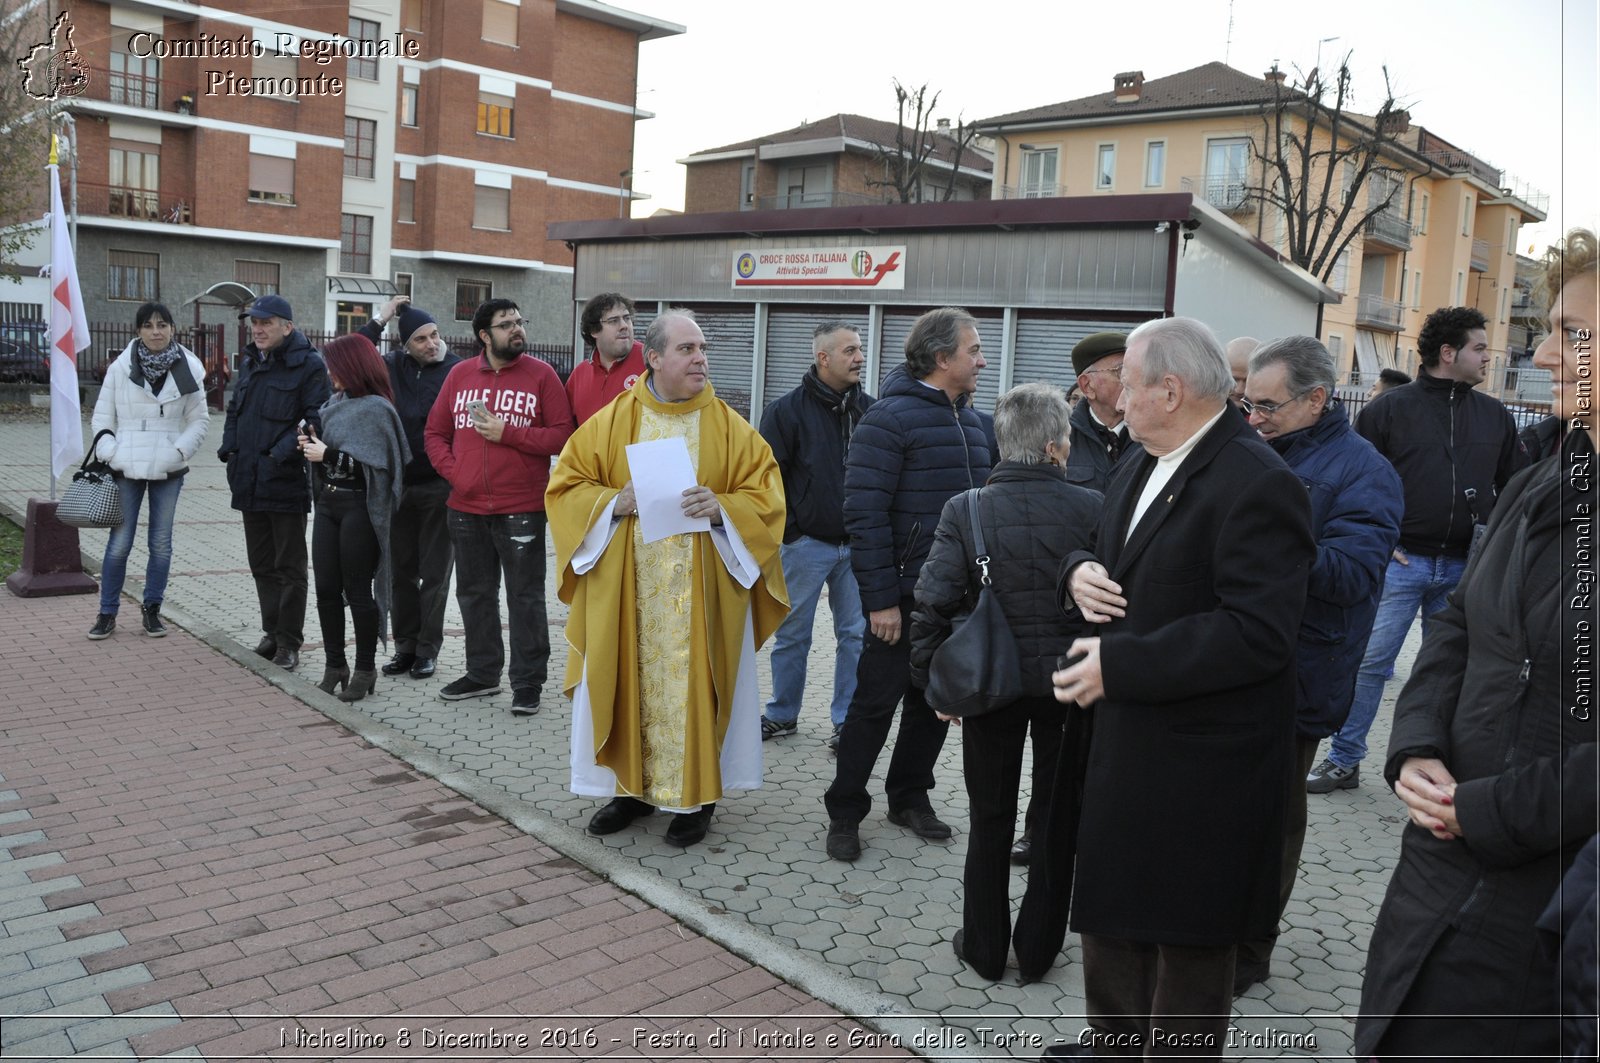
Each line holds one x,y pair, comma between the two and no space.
51,561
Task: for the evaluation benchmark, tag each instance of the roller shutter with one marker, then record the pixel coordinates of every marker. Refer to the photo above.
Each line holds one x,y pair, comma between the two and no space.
991,331
789,346
1044,347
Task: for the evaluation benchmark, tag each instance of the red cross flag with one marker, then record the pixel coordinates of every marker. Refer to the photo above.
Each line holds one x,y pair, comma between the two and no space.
69,334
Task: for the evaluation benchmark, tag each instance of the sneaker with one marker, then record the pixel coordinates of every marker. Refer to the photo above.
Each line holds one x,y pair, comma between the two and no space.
1328,776
152,621
774,729
524,701
468,687
833,739
104,625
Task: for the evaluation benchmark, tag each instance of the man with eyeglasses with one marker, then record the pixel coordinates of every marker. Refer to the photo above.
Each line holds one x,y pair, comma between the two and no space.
1356,505
1455,449
498,421
617,361
1099,435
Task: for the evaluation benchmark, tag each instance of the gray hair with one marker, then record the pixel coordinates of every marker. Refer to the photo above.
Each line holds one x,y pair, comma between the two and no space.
1307,363
936,332
655,337
1026,418
1187,349
828,328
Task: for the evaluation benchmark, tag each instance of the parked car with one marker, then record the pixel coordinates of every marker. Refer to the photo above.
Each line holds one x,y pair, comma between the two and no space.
23,357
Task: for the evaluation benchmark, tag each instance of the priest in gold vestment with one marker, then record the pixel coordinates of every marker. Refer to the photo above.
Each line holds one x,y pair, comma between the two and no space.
662,635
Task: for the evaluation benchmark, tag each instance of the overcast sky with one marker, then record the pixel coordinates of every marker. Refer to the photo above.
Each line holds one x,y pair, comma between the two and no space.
1514,83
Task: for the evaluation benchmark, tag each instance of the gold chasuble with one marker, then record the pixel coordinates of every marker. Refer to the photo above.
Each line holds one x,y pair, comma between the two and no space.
657,631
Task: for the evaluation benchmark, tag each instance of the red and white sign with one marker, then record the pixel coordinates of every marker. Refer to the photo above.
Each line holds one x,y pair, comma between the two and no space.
821,267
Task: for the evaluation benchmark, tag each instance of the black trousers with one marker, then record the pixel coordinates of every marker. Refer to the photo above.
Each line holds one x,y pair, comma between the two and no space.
883,680
486,547
1257,954
344,557
1149,1001
275,544
420,558
991,755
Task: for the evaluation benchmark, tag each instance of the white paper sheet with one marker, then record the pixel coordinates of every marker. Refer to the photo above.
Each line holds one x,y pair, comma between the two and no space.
662,472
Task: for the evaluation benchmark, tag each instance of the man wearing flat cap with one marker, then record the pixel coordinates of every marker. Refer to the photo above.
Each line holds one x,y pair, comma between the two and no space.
420,553
1099,437
282,383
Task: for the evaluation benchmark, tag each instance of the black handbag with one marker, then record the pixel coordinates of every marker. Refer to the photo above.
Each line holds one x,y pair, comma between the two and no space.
977,669
92,500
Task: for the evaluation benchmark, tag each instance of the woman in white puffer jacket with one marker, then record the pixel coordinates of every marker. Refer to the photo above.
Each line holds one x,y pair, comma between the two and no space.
153,404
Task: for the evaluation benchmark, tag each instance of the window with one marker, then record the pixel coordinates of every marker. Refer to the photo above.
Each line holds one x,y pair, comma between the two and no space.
402,284
470,295
491,208
1335,346
411,15
1511,235
1461,289
1105,166
406,202
747,186
364,64
1227,163
1422,216
1466,217
348,317
133,276
1416,289
408,105
494,113
360,143
1505,303
271,178
135,80
282,68
500,22
135,178
1155,164
259,277
1339,279
1348,181
355,243
1039,169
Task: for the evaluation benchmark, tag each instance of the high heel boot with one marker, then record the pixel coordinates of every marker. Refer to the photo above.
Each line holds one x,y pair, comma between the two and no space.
360,685
334,675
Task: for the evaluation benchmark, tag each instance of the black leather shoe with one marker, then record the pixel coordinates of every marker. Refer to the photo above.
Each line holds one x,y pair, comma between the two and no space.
844,841
923,823
618,813
687,828
400,662
267,647
424,668
1022,852
286,658
1246,975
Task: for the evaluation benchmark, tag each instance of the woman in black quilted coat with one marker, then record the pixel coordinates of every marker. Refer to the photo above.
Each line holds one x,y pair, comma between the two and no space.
1031,518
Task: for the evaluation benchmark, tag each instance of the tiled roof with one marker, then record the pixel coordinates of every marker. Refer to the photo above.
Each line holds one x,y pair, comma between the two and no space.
1211,85
856,127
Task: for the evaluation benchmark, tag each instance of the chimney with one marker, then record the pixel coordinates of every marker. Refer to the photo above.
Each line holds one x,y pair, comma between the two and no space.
1274,75
1128,86
1395,122
944,127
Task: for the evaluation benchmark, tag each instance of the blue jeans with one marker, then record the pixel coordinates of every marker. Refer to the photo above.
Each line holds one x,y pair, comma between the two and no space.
1423,584
114,567
808,564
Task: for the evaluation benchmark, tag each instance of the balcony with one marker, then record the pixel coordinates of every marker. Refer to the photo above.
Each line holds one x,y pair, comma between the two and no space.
136,204
1479,262
1228,194
1389,230
141,91
1374,312
1032,191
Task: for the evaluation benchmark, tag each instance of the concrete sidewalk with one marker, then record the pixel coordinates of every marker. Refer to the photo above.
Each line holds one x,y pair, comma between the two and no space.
474,839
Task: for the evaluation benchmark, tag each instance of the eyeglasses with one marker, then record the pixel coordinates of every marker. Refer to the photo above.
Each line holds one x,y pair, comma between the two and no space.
1115,371
512,325
617,319
1267,409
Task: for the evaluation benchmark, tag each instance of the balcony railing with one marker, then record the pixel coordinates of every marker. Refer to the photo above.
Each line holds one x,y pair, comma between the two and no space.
139,204
1032,191
1390,229
1227,193
1480,256
1457,161
140,90
806,200
1378,313
1525,383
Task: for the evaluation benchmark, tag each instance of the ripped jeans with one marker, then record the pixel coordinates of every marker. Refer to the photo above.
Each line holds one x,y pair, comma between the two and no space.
486,547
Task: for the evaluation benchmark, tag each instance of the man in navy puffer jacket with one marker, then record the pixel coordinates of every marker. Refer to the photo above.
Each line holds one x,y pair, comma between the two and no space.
918,445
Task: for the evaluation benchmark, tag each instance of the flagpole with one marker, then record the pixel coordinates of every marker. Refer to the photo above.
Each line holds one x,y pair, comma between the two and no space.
55,219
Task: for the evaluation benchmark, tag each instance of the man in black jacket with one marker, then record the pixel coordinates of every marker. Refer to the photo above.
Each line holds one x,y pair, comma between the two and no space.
1099,435
420,554
281,384
809,431
918,445
1455,449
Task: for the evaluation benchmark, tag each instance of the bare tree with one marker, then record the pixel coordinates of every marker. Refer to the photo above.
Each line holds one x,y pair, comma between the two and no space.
24,126
1327,173
906,162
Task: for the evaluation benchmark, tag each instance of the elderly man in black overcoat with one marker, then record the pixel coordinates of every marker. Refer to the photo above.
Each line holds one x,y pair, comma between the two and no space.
1197,578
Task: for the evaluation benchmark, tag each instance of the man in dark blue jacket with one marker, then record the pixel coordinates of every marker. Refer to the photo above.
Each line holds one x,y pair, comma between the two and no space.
918,445
420,555
1356,506
809,432
281,383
